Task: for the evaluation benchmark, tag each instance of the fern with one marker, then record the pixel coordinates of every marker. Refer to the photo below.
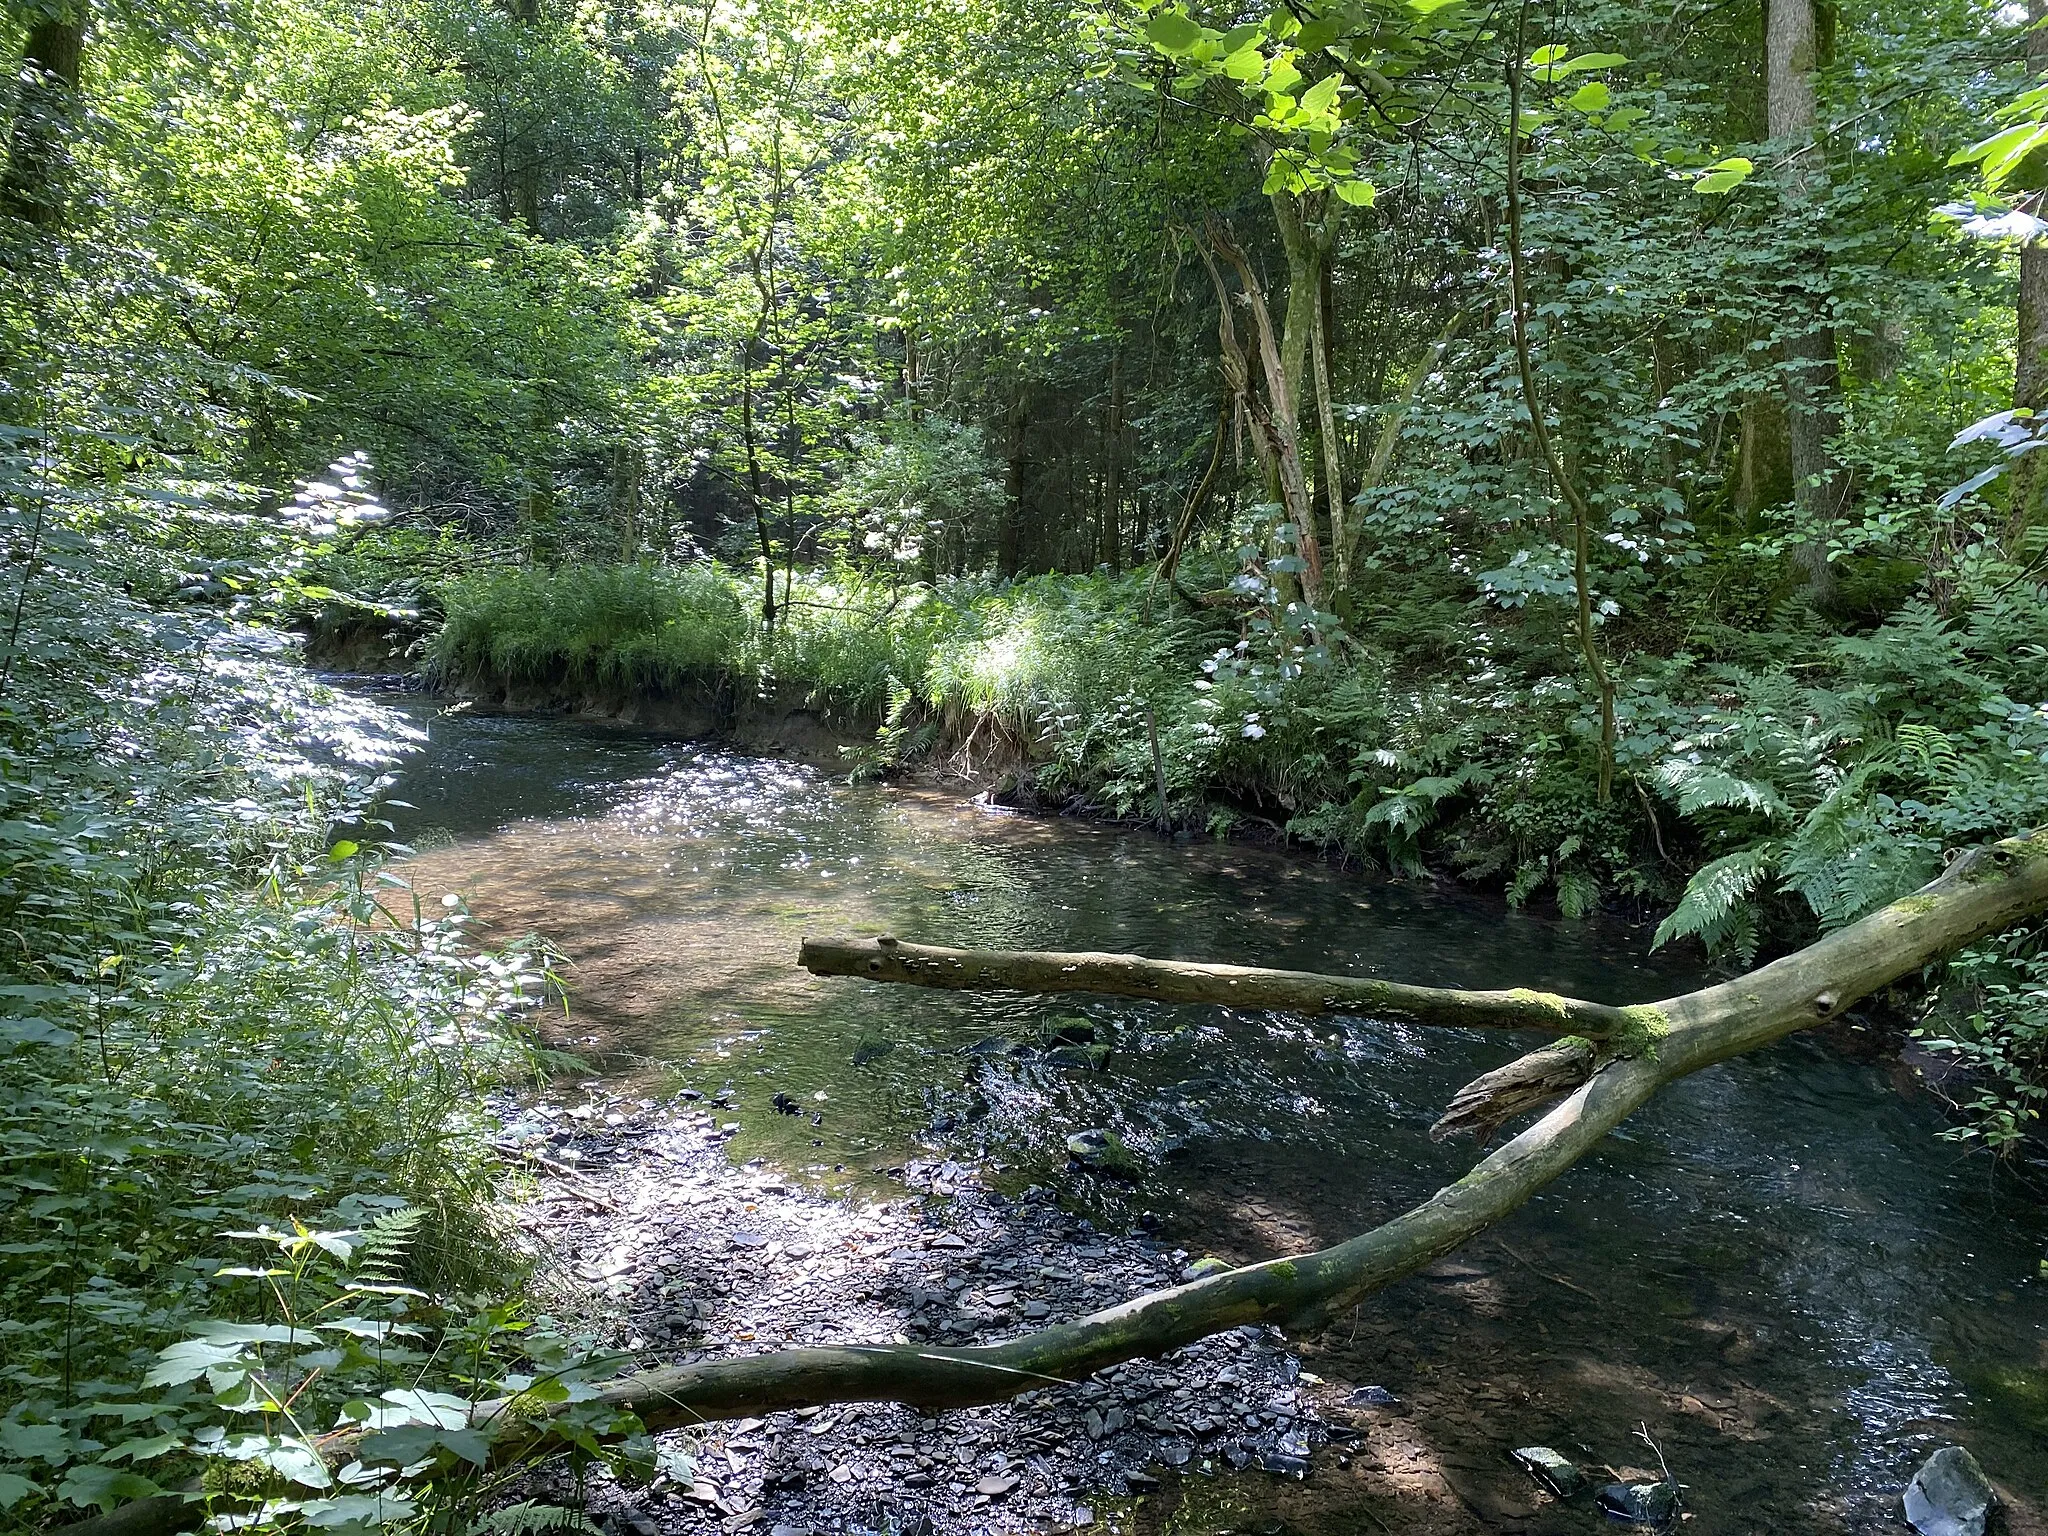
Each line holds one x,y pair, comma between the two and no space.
1715,906
531,1518
1699,787
381,1256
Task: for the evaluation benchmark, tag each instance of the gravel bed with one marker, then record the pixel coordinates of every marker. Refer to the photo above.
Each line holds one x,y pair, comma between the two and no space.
644,1223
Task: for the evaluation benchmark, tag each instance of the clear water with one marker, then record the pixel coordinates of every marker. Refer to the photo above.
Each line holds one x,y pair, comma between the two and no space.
1777,1267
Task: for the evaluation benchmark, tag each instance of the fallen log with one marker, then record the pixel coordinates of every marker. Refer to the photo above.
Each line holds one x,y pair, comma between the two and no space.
1187,981
1645,1047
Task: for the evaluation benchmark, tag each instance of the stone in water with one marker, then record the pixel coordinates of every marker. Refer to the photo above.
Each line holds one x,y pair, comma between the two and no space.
1550,1469
1949,1495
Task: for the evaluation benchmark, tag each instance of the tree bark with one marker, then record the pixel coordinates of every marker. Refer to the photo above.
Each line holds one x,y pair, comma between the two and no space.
2028,489
1792,52
1326,436
1009,533
46,109
1560,470
1984,891
1187,981
1275,419
523,195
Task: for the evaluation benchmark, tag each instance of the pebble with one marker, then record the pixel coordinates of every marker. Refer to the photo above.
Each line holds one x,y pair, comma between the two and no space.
680,1263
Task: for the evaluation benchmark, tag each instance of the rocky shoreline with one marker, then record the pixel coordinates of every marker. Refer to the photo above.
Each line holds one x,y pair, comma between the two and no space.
642,1224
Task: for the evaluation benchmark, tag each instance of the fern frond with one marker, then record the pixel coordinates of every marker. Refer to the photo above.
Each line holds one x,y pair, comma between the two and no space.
1713,907
531,1518
1702,786
381,1255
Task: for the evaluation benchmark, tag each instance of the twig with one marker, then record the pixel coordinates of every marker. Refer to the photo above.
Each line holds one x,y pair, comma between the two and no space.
1544,1273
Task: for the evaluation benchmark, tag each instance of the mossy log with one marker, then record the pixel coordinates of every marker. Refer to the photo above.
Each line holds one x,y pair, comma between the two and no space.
1187,981
1648,1046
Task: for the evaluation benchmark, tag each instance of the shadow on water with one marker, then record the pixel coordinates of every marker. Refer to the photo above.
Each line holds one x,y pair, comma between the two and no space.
1777,1267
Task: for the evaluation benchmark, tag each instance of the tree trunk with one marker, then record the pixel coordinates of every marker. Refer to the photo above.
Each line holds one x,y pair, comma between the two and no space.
1539,430
1792,52
46,110
524,192
1177,981
1110,551
1009,535
1326,436
626,498
2029,485
1986,890
1275,418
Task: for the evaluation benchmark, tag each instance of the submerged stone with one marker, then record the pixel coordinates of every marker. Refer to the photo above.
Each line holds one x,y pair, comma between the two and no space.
1949,1495
1638,1503
1553,1470
1091,1058
1070,1029
1104,1152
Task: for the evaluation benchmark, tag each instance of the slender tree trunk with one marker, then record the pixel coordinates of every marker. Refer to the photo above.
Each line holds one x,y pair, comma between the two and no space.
1792,52
1111,548
1009,535
626,498
1326,434
524,191
2029,486
1560,472
46,112
1275,418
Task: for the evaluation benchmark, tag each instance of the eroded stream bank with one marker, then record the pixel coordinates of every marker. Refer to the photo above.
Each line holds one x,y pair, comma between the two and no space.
1777,1268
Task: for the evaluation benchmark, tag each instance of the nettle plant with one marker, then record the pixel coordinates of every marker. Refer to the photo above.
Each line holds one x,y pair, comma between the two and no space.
336,1409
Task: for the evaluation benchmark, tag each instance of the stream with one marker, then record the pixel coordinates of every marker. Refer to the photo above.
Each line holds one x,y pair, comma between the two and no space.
1778,1267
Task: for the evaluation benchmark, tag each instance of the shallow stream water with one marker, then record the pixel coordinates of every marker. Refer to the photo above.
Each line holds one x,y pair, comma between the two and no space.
1777,1269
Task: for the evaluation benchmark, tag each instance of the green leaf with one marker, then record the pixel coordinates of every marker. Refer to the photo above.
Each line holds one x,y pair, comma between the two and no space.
1316,100
15,1032
1172,31
103,1486
1723,176
35,1442
344,850
188,1360
1548,54
1244,64
1713,896
1359,194
13,1489
1590,97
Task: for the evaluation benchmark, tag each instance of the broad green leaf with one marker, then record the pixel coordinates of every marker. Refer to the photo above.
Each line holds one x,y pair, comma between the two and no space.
103,1487
34,1442
13,1489
1172,31
1723,176
1315,101
1590,97
1358,193
1245,64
